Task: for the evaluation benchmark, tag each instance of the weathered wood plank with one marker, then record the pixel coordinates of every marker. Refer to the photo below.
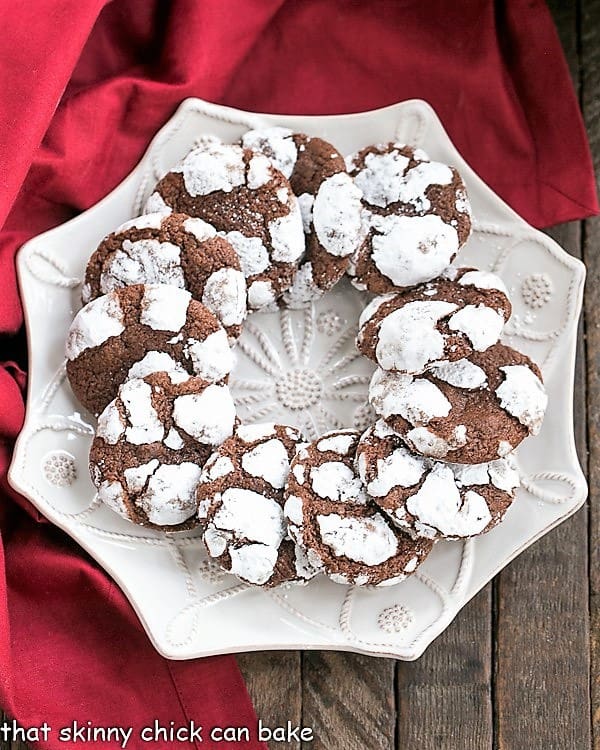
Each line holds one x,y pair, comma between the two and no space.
444,698
349,701
590,57
274,682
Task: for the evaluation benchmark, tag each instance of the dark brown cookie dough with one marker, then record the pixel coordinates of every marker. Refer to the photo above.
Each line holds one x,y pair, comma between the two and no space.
137,330
429,498
329,514
445,319
470,411
240,501
329,201
249,202
151,443
417,214
174,249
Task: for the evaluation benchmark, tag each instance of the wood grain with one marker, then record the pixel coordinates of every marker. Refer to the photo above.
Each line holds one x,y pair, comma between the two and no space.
590,99
444,698
349,701
274,682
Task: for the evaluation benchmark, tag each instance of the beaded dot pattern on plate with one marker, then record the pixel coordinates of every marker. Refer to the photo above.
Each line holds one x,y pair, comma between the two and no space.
59,469
395,619
536,290
363,416
210,572
329,322
299,389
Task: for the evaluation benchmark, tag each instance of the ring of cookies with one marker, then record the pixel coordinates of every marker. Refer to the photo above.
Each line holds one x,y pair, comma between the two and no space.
276,220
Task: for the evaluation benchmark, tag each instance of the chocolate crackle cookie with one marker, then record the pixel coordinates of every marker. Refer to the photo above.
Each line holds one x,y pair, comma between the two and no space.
462,311
469,411
417,214
240,500
175,249
137,330
249,202
428,498
329,201
329,514
151,443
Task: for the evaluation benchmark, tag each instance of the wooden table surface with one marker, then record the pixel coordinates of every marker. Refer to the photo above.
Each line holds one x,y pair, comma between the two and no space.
519,667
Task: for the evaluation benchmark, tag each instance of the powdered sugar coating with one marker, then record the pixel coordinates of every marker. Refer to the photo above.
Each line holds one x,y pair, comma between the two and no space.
250,528
169,497
201,230
250,515
365,540
261,294
523,395
373,306
337,215
381,177
111,425
164,308
334,480
251,432
268,460
225,295
212,358
94,324
145,221
411,249
462,374
145,261
156,205
156,362
112,495
303,289
259,172
143,425
424,441
400,468
340,443
253,255
208,416
483,280
277,144
287,237
482,325
306,202
416,400
438,507
408,339
213,166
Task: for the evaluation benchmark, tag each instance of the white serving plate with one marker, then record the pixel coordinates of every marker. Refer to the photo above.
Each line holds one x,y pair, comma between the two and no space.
301,368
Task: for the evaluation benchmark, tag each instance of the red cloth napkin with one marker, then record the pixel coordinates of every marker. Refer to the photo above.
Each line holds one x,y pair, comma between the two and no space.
84,85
